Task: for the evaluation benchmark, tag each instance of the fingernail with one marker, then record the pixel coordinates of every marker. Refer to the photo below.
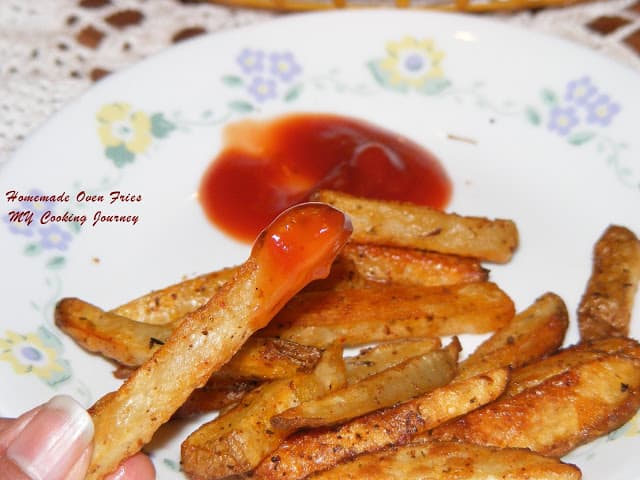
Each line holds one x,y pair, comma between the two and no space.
54,439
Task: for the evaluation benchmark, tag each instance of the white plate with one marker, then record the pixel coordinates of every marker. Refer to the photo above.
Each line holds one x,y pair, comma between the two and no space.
528,127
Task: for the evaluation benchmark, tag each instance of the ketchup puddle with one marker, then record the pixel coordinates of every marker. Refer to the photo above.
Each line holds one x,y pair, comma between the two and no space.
270,165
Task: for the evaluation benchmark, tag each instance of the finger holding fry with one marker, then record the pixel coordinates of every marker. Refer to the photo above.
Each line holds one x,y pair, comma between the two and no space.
262,343
296,248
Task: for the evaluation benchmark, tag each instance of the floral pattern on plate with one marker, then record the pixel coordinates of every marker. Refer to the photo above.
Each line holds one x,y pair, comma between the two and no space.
37,353
411,64
580,110
264,76
580,113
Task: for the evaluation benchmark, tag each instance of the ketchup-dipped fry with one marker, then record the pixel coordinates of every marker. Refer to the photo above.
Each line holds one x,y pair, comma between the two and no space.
299,246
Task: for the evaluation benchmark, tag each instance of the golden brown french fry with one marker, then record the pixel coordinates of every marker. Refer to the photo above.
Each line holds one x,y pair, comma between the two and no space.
297,247
559,414
131,343
605,308
238,440
622,345
319,449
354,266
175,301
417,226
415,376
383,263
269,359
215,396
127,342
451,460
374,359
533,333
568,358
358,316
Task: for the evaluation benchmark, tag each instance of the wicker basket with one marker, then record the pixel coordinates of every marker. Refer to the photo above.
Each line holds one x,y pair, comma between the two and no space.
453,5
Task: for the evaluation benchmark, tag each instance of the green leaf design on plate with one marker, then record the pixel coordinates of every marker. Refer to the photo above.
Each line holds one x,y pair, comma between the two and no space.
293,93
232,80
383,78
56,262
172,464
32,249
240,106
532,116
49,339
160,126
434,86
549,97
120,155
579,138
75,227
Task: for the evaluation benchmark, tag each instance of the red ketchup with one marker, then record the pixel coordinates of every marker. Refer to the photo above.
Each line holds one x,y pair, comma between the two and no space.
267,166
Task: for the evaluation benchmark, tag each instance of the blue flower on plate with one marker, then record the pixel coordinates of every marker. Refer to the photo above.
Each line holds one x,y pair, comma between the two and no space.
262,88
19,227
54,237
251,61
580,91
36,206
265,75
563,119
22,220
602,110
284,66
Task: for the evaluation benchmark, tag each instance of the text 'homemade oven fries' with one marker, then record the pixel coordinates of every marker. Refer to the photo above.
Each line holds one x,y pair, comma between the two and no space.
297,247
262,343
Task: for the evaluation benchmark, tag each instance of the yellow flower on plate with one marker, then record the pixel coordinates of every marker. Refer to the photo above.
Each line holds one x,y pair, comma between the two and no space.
412,62
121,127
29,354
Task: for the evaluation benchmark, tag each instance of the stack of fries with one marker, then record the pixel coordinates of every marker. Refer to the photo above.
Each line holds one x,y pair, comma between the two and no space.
292,405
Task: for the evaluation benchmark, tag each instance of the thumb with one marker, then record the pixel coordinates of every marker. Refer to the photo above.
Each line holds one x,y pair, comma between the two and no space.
51,442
